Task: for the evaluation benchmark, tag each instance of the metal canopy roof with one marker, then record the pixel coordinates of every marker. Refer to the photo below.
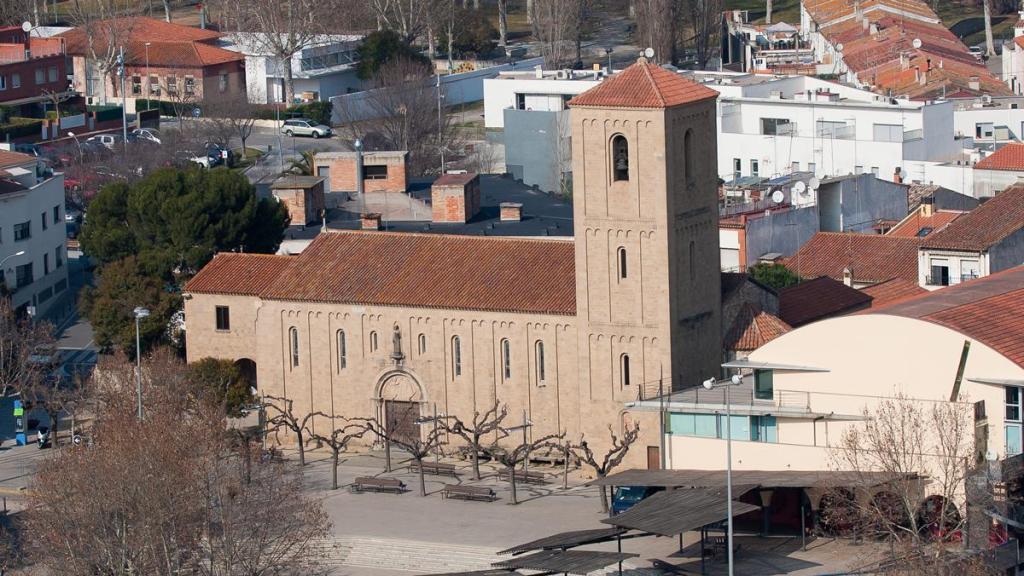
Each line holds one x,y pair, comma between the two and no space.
488,572
746,363
677,511
997,381
567,540
581,562
766,478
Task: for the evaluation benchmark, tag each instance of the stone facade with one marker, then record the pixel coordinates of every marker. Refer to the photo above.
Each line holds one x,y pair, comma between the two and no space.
383,171
647,305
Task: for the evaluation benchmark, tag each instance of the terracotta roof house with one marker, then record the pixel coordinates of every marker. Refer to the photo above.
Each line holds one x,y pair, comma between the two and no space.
940,197
867,258
999,170
924,220
164,61
891,291
819,298
986,240
752,329
896,48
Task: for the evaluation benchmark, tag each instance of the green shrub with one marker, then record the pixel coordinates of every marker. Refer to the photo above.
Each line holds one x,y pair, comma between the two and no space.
18,127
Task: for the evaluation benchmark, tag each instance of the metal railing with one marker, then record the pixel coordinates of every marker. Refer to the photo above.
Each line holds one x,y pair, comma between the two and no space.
741,395
936,281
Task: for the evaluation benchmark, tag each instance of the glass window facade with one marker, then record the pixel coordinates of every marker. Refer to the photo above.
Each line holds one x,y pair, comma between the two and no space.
749,428
1013,421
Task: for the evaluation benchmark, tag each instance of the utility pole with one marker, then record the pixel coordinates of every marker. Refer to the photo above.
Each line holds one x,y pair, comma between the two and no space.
124,99
440,135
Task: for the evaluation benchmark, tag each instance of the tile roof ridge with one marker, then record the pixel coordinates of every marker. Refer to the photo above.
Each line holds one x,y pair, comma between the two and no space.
653,82
451,235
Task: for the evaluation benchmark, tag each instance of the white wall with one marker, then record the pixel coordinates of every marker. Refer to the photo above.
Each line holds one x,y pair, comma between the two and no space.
964,121
28,206
729,247
500,93
959,264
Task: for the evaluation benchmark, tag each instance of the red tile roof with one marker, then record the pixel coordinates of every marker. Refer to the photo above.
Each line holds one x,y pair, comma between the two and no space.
1009,157
753,328
819,298
988,310
871,257
170,44
8,158
915,223
644,85
238,274
985,226
420,270
890,291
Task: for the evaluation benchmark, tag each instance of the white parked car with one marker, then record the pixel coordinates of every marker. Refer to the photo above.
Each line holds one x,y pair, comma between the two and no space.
305,127
108,140
151,134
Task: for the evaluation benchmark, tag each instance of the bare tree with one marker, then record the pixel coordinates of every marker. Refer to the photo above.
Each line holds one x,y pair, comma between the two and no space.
343,432
234,117
503,23
419,446
106,26
520,454
656,22
286,418
403,111
21,342
282,29
407,17
703,20
13,12
474,432
903,447
990,49
172,499
54,395
612,458
555,23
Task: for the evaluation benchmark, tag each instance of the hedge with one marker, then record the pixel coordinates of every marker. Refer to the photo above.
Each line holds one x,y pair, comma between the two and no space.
18,127
319,112
106,113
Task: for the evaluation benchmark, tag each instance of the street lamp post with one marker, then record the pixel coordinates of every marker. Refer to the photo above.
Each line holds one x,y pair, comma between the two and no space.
727,384
124,99
140,313
148,88
79,144
4,261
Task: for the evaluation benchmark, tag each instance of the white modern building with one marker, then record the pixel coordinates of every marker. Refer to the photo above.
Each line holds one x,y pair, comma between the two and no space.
536,90
325,69
32,235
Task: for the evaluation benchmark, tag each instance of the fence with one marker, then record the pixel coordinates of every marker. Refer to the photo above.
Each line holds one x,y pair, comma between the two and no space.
456,88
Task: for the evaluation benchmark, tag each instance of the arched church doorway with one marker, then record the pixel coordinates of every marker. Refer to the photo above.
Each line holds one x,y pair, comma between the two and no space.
248,369
401,397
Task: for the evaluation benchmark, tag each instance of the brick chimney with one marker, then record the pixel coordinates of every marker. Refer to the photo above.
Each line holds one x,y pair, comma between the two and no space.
928,206
455,197
974,83
511,211
897,176
370,221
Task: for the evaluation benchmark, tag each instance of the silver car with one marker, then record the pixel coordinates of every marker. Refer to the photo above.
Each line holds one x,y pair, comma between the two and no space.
305,127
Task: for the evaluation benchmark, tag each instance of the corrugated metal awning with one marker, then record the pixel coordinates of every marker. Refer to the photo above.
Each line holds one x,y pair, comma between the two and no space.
581,562
567,540
678,511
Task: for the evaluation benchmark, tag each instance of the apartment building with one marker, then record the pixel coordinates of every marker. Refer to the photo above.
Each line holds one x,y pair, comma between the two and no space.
32,235
31,70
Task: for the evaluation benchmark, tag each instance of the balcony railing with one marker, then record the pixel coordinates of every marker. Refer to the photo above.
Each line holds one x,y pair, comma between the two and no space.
936,280
741,395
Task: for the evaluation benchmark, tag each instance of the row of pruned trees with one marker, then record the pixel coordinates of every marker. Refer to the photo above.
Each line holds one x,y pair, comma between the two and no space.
486,433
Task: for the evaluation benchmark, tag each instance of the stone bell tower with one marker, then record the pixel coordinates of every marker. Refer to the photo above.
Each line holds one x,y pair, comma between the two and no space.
645,205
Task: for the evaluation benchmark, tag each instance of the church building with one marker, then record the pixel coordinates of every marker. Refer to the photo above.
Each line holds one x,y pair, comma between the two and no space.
395,325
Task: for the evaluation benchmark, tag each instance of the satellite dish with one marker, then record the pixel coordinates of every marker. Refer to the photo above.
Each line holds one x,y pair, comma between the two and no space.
26,26
839,47
916,43
778,197
813,183
649,52
800,187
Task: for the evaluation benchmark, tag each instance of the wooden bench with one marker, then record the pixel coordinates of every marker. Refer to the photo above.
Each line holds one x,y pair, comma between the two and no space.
371,484
435,468
523,476
482,493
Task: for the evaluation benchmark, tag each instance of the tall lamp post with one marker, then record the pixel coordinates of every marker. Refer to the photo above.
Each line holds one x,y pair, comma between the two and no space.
79,144
140,313
124,99
149,90
709,384
4,261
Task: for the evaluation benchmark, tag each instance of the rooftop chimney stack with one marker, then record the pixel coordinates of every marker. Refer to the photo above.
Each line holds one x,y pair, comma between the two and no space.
370,221
928,206
511,211
848,277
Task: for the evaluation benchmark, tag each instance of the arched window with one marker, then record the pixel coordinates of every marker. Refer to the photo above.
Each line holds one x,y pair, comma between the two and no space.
688,156
538,353
624,369
456,356
373,341
293,339
422,343
342,354
620,158
506,359
622,262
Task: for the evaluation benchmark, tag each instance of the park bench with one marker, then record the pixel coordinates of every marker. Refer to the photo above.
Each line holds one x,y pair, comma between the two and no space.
435,468
371,484
523,476
481,493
